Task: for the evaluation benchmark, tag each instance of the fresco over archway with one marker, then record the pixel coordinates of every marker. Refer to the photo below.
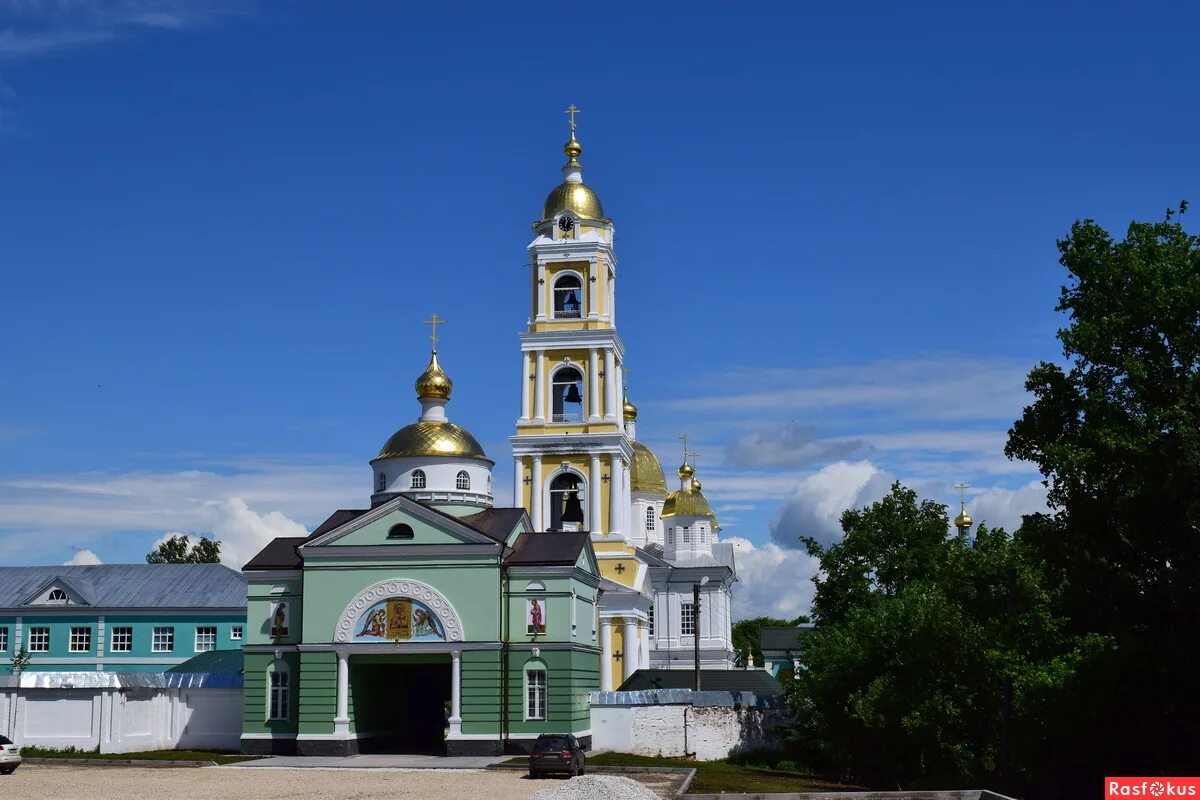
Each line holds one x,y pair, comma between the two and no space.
399,619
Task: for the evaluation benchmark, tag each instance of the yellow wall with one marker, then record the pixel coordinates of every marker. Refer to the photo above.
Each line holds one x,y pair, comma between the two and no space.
618,643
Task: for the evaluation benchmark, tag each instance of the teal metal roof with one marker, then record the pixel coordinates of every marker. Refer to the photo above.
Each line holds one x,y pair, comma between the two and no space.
128,585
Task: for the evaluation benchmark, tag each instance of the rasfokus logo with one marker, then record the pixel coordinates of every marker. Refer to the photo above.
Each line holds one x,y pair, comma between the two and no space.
1151,787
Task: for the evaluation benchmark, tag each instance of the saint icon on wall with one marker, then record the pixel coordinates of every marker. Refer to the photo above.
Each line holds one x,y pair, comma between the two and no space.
535,617
279,620
399,619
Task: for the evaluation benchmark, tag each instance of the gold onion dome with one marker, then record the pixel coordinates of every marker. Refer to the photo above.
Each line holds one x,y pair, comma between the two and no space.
685,503
423,439
573,195
646,474
963,520
686,471
630,411
434,382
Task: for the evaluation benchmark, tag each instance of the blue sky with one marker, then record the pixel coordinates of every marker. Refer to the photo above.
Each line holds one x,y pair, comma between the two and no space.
221,225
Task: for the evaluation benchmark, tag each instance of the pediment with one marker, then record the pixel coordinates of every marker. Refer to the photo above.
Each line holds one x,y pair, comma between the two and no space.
61,591
400,522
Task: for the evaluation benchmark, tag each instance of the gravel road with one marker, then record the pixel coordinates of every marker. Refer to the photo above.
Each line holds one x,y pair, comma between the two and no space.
165,783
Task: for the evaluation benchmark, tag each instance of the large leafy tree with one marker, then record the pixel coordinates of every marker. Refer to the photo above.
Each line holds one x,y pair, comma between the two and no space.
181,550
746,635
934,658
1116,432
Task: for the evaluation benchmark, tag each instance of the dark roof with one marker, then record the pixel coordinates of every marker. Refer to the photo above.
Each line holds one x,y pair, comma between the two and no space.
337,519
758,681
782,638
548,548
212,661
130,585
495,523
278,554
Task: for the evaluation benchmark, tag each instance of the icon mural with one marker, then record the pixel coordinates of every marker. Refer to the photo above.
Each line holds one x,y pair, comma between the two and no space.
535,617
399,619
279,620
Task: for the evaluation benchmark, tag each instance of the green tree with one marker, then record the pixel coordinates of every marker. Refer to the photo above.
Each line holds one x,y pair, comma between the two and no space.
1117,435
180,549
746,635
919,636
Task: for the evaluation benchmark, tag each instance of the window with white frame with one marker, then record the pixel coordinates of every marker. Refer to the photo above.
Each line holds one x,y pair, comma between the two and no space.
649,518
687,534
418,479
650,621
380,482
206,638
277,706
163,640
687,619
3,639
81,640
39,640
235,633
462,480
535,694
57,596
122,639
566,395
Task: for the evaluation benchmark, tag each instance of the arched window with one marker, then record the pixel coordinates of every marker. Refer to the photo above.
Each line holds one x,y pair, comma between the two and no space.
535,586
418,479
400,531
566,389
463,480
380,482
57,594
568,297
649,518
566,502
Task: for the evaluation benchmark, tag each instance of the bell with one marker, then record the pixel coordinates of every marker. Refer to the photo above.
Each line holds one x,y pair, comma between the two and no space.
572,302
573,395
572,508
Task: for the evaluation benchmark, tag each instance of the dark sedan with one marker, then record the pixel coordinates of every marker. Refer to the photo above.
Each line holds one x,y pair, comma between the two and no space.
556,752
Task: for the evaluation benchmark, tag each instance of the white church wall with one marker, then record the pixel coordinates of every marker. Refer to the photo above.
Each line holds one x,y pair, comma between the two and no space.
117,721
711,732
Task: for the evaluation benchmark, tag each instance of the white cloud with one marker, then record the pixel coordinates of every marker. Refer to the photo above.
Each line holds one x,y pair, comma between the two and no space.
241,530
815,506
82,557
772,580
1003,508
790,445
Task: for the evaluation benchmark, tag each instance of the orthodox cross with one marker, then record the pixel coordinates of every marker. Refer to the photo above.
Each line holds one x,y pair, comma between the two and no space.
527,480
571,112
617,655
433,322
685,450
962,492
620,568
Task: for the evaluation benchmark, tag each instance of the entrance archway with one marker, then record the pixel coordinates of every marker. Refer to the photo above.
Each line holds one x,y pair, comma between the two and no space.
401,703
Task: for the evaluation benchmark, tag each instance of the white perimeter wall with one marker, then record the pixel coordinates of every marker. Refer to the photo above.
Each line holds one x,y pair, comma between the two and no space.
712,732
123,722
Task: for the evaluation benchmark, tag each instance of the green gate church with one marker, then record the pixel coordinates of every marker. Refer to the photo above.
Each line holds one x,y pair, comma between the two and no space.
429,622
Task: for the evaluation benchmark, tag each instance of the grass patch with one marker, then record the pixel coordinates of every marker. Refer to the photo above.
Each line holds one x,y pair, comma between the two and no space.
714,777
219,757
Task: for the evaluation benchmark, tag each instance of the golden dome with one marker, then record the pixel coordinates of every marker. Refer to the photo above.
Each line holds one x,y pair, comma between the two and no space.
686,504
630,411
574,197
434,382
696,485
963,520
574,150
646,474
423,439
686,471
715,522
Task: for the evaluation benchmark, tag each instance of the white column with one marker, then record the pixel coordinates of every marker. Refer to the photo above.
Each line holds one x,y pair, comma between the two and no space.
614,495
535,495
594,385
540,305
526,367
612,299
645,657
632,647
626,505
539,389
610,384
592,284
606,655
455,692
341,721
594,480
517,482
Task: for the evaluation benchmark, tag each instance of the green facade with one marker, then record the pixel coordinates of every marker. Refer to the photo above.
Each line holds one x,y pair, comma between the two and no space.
399,691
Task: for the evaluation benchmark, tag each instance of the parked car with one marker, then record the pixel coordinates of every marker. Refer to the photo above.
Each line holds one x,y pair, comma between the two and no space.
10,756
556,752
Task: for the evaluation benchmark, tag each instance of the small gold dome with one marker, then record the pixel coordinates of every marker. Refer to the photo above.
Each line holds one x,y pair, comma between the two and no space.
423,439
646,474
575,197
963,520
686,471
573,148
434,382
630,411
686,504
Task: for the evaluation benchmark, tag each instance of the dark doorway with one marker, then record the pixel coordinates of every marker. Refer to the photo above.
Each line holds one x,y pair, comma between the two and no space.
400,707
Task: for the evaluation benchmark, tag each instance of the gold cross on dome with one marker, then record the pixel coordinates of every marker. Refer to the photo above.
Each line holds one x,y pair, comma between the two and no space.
433,322
962,492
571,112
685,450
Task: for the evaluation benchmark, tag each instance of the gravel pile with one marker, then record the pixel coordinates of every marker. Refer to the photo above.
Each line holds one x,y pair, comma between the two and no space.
596,787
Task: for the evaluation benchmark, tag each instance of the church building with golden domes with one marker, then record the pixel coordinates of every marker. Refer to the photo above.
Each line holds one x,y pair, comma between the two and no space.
434,621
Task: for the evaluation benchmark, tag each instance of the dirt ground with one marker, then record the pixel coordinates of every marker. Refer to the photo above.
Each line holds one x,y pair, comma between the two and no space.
222,783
